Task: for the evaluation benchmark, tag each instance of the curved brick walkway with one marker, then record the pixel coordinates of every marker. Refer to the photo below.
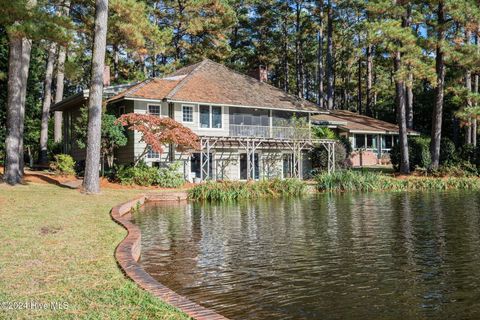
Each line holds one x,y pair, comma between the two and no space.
128,253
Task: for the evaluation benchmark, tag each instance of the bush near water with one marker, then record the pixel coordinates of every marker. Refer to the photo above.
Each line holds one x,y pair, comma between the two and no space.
143,175
236,190
464,160
349,180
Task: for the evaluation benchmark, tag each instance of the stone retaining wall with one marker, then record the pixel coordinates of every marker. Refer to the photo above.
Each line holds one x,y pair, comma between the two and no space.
128,254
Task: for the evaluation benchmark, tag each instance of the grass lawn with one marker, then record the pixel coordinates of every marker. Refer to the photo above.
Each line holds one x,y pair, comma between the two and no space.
58,245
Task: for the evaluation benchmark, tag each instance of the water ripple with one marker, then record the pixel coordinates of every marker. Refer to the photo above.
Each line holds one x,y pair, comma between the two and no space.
350,256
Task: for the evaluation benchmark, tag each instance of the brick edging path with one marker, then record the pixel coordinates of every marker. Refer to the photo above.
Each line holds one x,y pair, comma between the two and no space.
127,254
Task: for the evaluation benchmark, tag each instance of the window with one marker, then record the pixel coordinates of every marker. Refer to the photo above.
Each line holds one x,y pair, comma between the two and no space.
388,142
187,113
248,116
205,116
152,154
359,141
371,141
121,110
210,116
217,117
154,110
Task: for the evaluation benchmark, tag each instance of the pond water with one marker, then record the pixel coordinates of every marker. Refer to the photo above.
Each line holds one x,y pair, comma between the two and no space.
348,256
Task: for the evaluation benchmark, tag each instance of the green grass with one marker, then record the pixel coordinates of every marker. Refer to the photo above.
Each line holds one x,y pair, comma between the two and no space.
237,190
350,180
58,245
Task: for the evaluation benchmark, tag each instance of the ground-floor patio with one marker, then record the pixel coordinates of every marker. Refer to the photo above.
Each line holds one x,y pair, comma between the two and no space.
241,158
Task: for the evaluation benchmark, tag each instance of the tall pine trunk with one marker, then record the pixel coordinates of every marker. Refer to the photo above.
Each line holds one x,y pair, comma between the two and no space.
320,71
91,181
359,85
285,65
438,106
116,57
18,65
409,82
409,93
475,90
330,71
285,54
299,71
47,101
62,55
468,86
368,93
401,116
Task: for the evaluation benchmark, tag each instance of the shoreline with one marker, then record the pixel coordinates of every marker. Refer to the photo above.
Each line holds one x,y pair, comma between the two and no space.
128,253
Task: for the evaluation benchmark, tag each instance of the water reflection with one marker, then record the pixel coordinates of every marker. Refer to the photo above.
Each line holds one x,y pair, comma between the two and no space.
349,256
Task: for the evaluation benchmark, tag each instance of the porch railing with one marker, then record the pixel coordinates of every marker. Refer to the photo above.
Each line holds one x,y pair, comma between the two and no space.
269,132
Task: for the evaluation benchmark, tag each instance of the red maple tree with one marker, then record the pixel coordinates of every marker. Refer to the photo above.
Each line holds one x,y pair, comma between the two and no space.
159,131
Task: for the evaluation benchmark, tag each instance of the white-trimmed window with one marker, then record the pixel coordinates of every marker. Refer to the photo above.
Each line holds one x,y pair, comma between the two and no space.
187,113
154,109
152,154
211,117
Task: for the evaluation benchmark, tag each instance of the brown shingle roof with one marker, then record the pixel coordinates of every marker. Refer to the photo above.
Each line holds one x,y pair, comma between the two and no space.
357,122
211,82
150,89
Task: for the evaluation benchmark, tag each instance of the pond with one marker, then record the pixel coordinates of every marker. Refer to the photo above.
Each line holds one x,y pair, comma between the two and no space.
348,256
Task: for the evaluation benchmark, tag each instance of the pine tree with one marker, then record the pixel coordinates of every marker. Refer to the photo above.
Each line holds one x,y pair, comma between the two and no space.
91,182
47,101
59,86
395,36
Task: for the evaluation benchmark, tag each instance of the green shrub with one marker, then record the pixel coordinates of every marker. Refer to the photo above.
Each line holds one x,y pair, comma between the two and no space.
63,164
324,133
141,175
349,180
347,144
54,148
170,177
235,190
395,156
448,152
418,153
468,153
319,157
146,176
461,169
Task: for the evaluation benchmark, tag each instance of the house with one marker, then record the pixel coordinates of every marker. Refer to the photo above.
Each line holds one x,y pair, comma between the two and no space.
371,139
248,129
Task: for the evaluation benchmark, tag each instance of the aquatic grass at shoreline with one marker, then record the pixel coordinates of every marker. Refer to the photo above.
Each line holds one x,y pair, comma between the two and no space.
349,180
237,190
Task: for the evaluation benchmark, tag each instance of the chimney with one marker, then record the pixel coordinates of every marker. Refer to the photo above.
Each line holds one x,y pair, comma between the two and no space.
106,76
261,73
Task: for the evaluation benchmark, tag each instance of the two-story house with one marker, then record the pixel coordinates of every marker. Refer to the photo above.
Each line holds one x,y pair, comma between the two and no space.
248,128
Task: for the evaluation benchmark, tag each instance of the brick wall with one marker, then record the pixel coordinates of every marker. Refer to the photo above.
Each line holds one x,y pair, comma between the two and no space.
363,158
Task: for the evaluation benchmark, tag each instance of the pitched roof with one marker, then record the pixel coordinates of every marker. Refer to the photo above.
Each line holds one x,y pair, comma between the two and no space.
211,82
355,122
154,88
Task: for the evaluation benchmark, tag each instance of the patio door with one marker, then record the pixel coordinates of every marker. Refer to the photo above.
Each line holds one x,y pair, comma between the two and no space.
195,165
243,166
287,165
